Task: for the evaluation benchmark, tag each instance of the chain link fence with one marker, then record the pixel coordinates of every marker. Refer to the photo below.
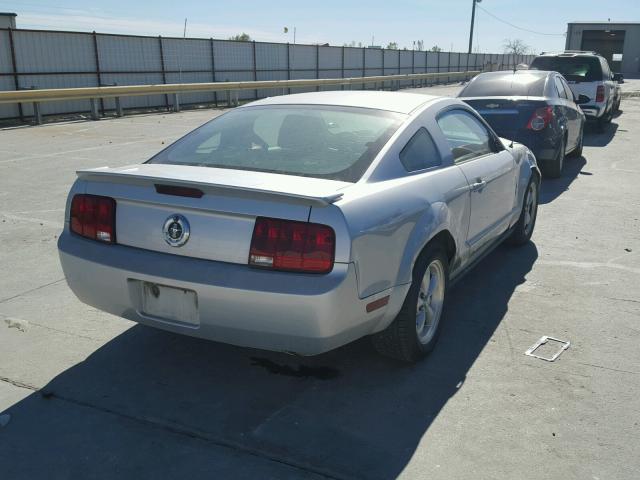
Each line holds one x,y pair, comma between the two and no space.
34,59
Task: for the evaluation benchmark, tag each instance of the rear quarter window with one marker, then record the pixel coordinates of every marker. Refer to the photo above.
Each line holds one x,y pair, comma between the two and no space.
420,152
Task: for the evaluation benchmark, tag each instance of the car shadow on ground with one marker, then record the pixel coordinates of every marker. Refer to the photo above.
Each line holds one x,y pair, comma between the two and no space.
597,138
347,413
552,188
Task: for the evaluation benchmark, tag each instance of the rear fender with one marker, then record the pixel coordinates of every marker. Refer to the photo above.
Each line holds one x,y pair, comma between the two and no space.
434,220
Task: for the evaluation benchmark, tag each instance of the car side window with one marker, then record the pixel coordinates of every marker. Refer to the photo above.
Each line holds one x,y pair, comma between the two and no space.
468,138
560,88
420,152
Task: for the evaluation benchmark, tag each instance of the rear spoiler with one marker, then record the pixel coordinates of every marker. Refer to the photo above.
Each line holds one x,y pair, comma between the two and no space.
213,188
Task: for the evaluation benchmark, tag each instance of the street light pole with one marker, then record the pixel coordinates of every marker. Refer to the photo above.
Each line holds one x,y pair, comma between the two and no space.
473,18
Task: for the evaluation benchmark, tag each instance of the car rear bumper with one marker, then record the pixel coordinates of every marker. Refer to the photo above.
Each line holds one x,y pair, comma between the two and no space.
544,144
305,314
593,112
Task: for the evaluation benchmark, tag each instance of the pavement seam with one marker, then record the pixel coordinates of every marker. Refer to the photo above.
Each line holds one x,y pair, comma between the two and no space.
184,431
31,290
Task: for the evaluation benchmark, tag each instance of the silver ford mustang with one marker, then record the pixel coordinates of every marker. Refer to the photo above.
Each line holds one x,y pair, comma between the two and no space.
302,222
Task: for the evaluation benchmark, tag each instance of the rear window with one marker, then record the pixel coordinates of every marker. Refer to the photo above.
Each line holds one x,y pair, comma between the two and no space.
505,85
575,69
337,143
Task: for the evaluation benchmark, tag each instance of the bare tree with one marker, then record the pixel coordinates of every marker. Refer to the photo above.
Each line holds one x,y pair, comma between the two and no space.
242,37
419,45
515,47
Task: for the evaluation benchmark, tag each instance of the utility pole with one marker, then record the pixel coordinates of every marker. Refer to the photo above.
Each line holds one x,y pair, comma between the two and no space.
473,18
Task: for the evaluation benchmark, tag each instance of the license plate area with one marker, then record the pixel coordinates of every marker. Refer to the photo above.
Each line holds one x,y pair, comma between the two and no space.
166,303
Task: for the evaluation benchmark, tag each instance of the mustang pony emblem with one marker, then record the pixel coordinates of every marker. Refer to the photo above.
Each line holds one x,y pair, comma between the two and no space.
176,230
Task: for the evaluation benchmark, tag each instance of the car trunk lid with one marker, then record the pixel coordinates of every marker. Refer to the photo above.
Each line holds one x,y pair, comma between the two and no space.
508,116
220,205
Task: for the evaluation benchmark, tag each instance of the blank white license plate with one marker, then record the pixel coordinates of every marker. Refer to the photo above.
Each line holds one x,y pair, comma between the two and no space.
169,303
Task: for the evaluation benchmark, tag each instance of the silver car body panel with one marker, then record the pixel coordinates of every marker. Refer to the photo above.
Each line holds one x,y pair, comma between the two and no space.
382,223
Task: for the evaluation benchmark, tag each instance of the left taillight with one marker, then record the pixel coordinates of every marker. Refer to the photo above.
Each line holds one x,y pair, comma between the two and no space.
292,246
600,94
94,217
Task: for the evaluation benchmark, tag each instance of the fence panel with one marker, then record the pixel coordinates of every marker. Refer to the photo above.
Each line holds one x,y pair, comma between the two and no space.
50,59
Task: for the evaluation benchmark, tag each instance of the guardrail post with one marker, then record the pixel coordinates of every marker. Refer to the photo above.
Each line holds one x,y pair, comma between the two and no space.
95,115
119,111
176,103
37,115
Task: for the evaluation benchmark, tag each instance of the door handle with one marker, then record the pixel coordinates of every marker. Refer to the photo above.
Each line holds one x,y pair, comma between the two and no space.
479,185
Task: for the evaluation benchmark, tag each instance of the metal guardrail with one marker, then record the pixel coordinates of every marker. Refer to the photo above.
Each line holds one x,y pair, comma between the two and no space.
36,96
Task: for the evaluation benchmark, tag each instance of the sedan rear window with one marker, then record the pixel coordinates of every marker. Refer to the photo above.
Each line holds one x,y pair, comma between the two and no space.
576,69
519,84
337,143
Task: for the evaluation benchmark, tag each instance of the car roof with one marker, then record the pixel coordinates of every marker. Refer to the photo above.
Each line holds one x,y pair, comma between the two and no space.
507,74
570,53
399,102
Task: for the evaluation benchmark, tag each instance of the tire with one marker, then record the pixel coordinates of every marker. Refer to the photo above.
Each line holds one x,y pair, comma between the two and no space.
411,335
577,152
553,168
605,120
523,229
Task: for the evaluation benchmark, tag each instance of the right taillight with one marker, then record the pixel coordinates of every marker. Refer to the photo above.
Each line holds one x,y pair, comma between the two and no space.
292,246
540,118
600,94
94,217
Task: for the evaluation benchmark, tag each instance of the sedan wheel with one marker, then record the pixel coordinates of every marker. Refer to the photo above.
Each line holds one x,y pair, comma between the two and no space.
430,300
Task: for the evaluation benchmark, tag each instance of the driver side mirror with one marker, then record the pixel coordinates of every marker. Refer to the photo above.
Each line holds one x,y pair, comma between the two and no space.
618,77
582,99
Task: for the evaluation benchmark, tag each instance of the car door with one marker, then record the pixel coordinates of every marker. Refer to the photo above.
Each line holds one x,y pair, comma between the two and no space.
490,171
567,117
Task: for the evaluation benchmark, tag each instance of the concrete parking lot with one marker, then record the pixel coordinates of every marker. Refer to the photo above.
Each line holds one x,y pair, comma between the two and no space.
87,395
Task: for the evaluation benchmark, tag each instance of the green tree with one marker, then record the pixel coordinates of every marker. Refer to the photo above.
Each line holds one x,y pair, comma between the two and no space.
243,37
435,48
392,46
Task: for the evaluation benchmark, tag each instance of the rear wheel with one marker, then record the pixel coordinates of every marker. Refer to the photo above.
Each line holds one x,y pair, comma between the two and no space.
553,168
605,120
524,228
415,330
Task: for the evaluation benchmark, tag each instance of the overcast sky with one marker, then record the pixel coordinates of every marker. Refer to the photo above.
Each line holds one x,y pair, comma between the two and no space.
541,24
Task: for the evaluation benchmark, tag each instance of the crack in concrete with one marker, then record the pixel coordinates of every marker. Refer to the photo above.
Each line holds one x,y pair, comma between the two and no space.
31,290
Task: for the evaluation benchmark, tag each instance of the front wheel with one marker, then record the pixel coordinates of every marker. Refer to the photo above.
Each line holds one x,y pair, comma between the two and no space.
523,230
415,330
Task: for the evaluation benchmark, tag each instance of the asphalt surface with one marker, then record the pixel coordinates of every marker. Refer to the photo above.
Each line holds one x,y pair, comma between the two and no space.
84,394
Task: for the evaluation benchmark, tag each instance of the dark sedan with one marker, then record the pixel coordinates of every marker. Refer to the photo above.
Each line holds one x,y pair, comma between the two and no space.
535,108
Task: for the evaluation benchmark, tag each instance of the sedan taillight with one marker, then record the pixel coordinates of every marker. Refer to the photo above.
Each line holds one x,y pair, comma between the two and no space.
292,246
94,217
600,94
540,118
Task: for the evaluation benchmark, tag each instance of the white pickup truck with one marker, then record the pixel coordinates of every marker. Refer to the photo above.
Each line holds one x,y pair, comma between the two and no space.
595,87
